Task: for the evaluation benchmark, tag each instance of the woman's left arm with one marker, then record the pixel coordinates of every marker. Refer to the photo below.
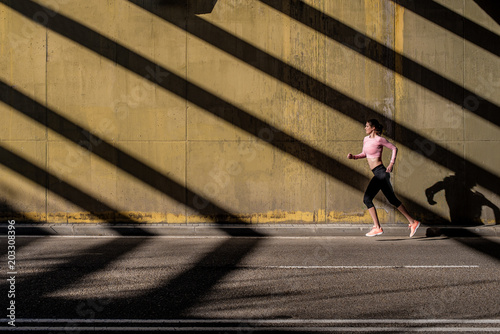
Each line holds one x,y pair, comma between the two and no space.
394,149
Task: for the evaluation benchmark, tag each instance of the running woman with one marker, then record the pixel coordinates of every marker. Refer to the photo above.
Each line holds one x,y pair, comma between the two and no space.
373,144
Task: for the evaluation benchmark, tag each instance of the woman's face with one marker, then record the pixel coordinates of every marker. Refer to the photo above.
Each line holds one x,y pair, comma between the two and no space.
368,128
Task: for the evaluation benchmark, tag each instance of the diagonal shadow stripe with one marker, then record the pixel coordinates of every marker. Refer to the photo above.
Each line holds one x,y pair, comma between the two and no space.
74,269
318,90
387,57
491,8
186,289
455,23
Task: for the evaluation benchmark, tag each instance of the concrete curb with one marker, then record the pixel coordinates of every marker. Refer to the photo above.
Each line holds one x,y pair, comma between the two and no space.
260,230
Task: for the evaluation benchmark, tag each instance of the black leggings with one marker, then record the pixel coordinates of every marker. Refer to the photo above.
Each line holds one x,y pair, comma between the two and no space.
380,181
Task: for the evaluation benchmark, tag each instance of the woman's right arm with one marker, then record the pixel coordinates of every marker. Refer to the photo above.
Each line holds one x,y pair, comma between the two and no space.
357,156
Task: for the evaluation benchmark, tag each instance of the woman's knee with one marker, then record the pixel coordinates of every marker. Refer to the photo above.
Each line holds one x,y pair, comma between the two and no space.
368,201
394,201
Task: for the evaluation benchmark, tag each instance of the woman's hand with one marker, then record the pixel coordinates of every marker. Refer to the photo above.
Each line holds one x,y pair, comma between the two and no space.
389,168
350,156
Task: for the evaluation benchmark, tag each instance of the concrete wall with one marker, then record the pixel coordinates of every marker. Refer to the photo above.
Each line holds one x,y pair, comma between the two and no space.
144,111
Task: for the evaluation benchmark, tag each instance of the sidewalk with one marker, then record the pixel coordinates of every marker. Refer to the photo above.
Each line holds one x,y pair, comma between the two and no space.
240,230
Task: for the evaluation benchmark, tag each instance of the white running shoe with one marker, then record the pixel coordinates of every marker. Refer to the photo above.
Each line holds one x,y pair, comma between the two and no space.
374,232
413,227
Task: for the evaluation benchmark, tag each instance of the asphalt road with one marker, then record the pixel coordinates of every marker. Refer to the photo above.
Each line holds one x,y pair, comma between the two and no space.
253,285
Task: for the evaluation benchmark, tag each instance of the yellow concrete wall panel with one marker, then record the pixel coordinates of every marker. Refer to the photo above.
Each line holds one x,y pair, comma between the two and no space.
434,47
229,81
203,125
151,37
143,111
169,45
23,52
134,194
484,154
251,92
302,117
482,73
371,18
472,11
360,79
23,194
22,67
252,178
79,82
429,47
246,85
345,70
358,82
432,117
342,127
113,19
93,178
17,126
165,121
458,60
253,22
130,26
224,76
481,70
108,100
479,129
379,83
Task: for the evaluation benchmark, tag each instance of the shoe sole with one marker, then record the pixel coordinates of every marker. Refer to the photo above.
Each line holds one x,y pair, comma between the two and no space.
373,235
415,230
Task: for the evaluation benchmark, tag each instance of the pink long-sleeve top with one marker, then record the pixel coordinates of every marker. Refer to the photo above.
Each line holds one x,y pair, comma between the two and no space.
372,148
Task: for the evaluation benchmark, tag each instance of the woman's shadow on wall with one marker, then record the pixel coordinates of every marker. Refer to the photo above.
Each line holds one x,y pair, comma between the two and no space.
465,204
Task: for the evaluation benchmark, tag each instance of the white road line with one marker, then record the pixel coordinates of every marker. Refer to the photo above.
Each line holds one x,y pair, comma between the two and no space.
265,321
339,267
227,236
365,267
260,325
258,329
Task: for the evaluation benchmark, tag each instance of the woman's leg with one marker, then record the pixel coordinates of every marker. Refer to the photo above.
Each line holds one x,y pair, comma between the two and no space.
372,190
386,188
405,213
373,213
391,196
